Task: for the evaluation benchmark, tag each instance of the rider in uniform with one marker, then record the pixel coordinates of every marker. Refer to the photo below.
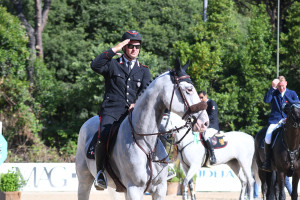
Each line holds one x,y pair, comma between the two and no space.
278,95
212,111
125,78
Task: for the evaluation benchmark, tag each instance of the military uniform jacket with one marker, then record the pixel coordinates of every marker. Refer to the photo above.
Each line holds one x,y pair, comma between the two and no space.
274,97
121,87
212,112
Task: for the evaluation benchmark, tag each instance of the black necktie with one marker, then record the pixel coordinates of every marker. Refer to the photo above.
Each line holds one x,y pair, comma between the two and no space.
129,66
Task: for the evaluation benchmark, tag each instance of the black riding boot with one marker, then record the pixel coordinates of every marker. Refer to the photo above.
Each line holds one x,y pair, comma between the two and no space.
266,166
211,151
100,183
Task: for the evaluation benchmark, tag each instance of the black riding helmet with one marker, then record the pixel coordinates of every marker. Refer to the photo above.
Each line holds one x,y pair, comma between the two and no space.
132,35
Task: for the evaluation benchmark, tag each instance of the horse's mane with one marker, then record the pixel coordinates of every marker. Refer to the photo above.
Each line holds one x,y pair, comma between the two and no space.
156,77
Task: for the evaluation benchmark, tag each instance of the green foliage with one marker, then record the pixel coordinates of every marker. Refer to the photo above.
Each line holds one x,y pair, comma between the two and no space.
232,67
289,48
16,102
232,57
180,175
11,181
37,153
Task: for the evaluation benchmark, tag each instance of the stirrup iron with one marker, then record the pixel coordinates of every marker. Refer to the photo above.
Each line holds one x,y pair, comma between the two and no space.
99,183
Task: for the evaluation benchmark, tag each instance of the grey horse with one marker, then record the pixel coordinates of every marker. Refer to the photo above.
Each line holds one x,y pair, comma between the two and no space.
238,155
137,145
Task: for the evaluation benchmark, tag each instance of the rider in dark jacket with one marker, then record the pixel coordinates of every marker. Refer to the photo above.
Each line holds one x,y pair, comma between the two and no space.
213,128
125,77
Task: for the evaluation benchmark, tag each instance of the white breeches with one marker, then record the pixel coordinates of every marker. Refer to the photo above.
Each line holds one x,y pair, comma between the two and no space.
209,133
270,130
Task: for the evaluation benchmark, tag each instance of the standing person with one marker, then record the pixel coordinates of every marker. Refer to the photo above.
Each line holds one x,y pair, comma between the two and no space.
125,77
213,128
278,95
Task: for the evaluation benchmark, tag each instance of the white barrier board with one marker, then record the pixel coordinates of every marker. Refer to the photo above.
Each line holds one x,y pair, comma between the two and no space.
45,176
217,178
62,177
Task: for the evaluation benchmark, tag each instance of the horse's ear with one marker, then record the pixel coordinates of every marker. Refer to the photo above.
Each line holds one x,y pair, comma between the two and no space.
286,108
177,64
186,65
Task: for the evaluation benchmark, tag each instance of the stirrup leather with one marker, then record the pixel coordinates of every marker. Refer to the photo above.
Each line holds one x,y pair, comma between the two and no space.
100,184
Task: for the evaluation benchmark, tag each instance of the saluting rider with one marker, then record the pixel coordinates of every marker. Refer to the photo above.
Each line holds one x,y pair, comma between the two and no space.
125,78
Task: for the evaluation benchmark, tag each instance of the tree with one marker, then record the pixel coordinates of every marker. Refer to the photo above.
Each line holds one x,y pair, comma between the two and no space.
227,61
19,119
289,48
271,7
34,34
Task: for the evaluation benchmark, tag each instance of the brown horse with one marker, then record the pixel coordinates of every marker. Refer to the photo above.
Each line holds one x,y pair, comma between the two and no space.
285,155
269,188
286,151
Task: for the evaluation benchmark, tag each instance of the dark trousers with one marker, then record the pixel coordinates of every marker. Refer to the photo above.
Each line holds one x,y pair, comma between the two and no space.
105,126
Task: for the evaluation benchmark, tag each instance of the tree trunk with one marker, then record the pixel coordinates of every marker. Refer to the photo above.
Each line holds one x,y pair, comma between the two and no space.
34,34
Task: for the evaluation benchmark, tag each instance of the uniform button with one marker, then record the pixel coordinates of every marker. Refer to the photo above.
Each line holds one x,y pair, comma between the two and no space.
139,79
127,86
129,79
127,100
127,93
119,74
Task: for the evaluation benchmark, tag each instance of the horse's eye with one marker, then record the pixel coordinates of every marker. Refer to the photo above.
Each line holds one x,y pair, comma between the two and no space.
189,90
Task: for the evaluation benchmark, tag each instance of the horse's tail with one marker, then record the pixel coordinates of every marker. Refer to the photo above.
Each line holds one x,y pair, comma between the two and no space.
254,168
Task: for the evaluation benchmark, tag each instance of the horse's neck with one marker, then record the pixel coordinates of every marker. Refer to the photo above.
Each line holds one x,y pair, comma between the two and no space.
189,138
292,137
176,122
147,115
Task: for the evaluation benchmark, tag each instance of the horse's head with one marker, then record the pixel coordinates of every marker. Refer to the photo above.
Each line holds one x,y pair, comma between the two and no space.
184,100
293,113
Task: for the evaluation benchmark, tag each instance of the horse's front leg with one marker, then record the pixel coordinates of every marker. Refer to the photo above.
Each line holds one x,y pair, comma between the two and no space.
185,193
134,193
160,192
191,186
189,178
280,181
294,194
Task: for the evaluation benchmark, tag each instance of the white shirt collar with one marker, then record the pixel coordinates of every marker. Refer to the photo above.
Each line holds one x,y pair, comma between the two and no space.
132,62
282,94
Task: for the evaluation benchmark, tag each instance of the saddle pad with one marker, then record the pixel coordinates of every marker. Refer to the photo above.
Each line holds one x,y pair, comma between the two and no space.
91,149
219,141
274,136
